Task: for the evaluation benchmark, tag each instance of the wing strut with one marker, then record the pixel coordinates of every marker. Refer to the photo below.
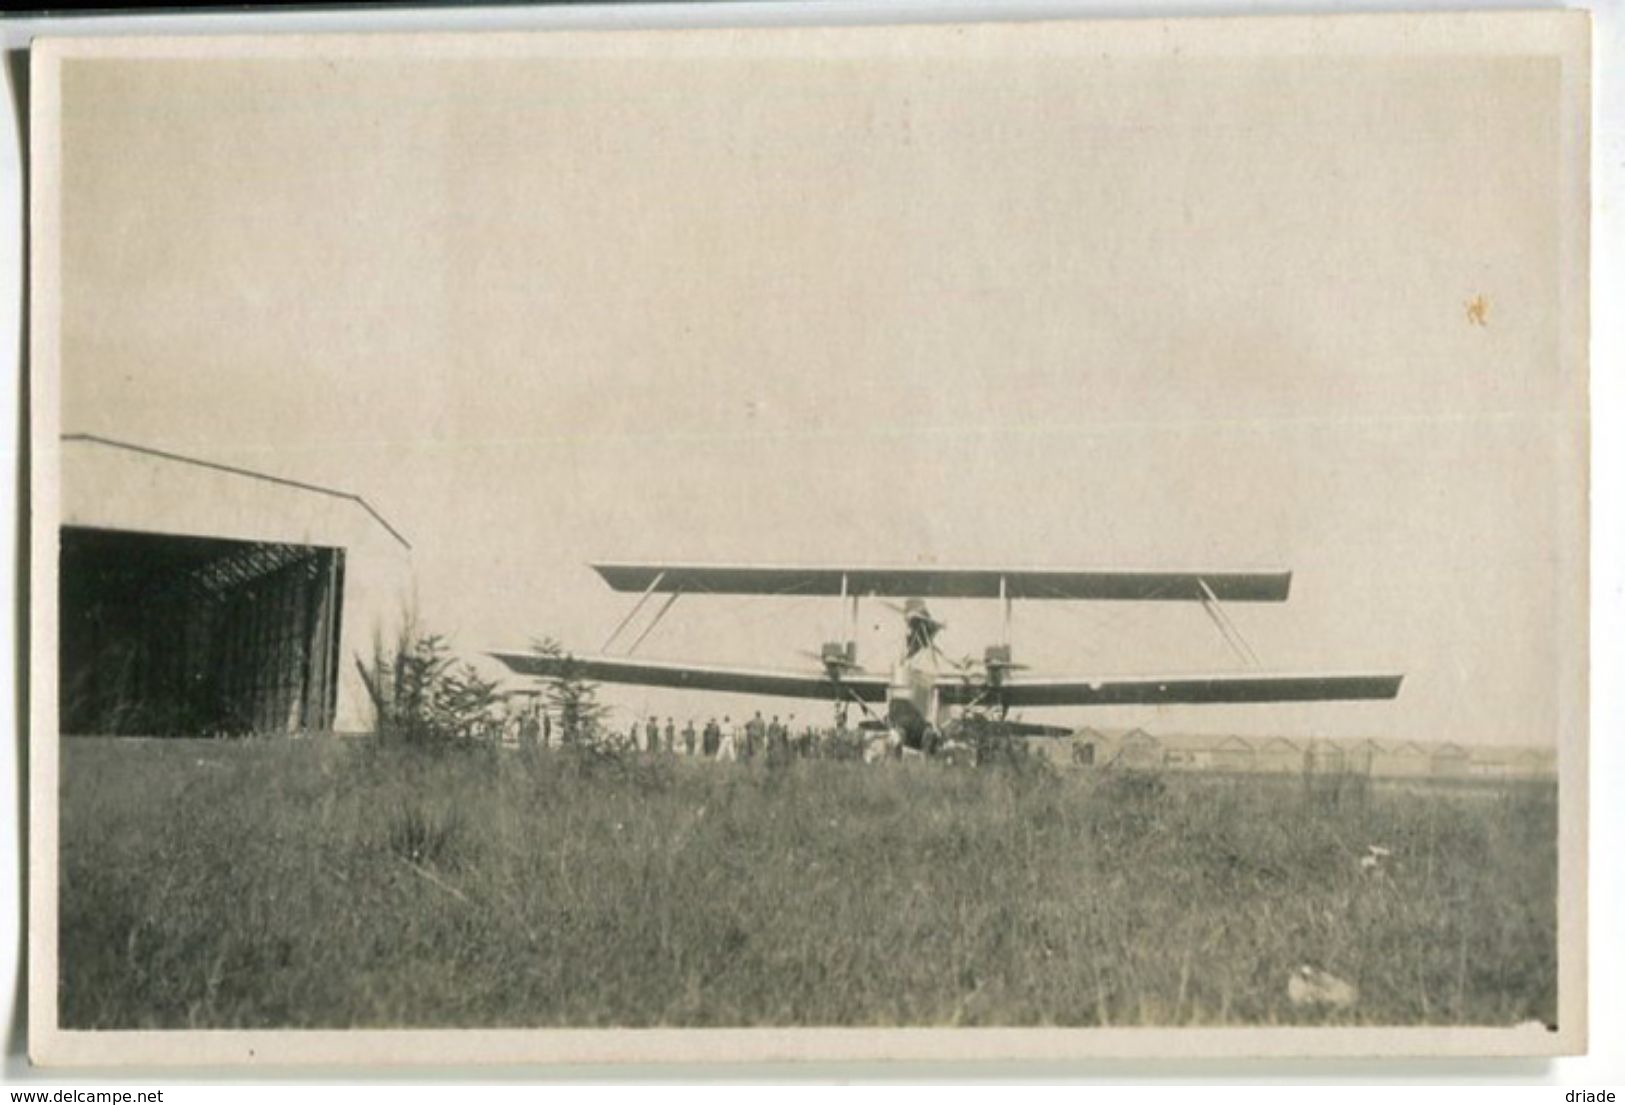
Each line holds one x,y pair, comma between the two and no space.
650,628
1004,601
840,613
632,613
1227,629
849,595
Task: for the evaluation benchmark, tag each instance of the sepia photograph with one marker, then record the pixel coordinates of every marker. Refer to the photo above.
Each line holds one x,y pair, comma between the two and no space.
824,542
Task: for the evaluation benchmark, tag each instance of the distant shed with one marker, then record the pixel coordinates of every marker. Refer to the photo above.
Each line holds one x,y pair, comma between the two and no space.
1278,755
198,598
1233,754
1536,763
1139,749
1406,759
1363,755
1086,746
1323,757
1449,760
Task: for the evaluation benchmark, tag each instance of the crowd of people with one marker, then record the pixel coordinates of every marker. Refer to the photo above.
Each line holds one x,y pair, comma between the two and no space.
724,739
748,739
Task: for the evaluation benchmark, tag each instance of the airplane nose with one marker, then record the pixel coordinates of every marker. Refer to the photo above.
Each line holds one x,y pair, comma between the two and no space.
918,617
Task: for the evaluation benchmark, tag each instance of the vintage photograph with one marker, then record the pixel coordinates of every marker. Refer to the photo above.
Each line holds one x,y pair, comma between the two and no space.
1067,526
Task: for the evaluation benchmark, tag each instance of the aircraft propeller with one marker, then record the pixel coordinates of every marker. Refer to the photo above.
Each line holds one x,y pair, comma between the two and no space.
915,610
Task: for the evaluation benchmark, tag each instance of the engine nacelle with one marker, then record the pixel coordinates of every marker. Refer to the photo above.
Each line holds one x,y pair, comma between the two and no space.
842,654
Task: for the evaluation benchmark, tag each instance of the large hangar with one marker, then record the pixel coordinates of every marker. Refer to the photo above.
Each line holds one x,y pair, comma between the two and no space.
202,599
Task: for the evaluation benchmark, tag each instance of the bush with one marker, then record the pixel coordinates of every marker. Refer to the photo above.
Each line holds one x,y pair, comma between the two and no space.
997,746
421,694
427,837
573,700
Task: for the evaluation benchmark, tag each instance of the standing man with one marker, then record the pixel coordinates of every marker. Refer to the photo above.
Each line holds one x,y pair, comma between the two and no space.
728,744
688,737
755,735
671,737
651,733
713,738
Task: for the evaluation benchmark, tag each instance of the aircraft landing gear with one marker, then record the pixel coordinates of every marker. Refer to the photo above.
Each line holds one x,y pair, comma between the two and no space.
930,740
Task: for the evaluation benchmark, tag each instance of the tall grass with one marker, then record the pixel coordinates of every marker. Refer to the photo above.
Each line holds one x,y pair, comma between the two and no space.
320,884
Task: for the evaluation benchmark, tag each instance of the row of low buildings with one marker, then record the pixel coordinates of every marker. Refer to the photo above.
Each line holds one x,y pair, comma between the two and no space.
1136,748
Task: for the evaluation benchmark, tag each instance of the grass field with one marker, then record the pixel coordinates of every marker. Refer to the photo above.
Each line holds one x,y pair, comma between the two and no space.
332,884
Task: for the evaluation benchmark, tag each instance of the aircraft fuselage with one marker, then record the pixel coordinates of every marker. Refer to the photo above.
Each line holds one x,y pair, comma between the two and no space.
913,705
911,700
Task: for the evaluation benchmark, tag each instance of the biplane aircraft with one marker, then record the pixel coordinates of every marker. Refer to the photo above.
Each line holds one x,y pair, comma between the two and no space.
915,699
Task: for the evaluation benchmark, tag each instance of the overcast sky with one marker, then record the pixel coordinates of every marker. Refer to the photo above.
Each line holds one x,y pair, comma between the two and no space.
971,307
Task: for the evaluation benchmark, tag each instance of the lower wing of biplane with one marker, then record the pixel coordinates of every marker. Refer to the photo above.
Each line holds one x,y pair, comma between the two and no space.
861,686
1015,691
1154,690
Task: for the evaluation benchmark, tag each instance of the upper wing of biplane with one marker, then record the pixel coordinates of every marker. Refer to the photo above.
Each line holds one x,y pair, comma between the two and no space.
863,686
951,583
1016,691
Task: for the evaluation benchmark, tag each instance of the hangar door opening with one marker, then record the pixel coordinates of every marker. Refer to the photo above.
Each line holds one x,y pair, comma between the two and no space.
164,635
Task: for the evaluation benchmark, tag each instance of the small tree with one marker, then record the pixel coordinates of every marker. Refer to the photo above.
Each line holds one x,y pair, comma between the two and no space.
572,700
463,701
420,692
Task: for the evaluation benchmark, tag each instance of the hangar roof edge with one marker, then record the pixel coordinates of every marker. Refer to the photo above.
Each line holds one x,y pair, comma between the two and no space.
249,473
